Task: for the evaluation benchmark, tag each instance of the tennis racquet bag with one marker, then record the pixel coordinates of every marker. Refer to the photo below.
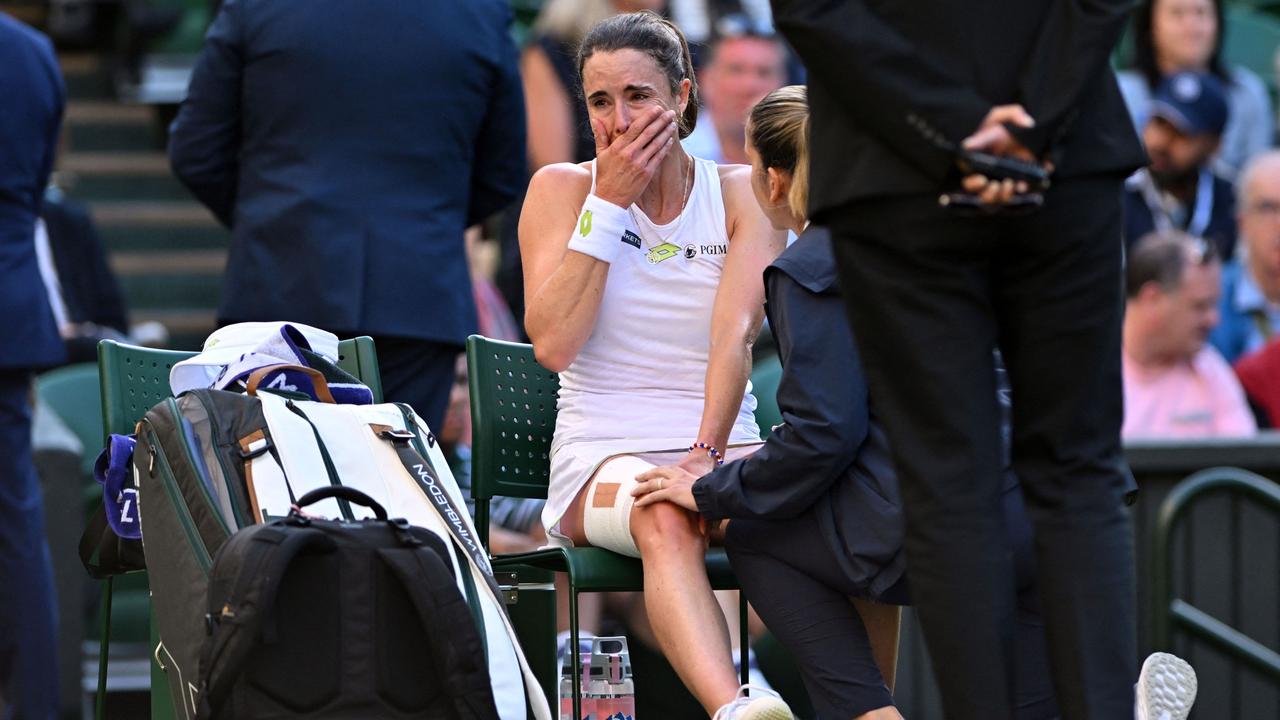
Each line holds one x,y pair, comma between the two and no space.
211,463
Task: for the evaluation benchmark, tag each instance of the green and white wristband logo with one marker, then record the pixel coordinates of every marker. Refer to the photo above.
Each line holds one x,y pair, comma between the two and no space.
602,230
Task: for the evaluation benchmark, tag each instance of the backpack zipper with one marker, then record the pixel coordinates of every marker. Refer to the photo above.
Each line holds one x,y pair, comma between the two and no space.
222,462
175,498
205,490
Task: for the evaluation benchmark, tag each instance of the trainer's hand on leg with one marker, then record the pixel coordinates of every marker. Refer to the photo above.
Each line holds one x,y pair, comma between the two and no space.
671,483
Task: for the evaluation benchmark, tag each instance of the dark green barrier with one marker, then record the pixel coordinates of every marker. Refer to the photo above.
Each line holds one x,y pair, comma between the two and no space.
1223,577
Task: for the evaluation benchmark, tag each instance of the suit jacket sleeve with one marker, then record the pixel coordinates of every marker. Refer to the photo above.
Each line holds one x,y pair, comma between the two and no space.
500,162
204,140
1073,46
823,399
914,105
54,127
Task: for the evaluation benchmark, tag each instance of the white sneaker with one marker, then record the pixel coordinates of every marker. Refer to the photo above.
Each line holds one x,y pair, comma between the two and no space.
1166,688
763,705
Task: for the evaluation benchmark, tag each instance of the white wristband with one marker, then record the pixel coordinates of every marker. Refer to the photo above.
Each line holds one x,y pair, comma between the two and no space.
602,231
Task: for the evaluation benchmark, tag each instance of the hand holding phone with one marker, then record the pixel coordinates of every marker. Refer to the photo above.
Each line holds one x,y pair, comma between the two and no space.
963,203
997,167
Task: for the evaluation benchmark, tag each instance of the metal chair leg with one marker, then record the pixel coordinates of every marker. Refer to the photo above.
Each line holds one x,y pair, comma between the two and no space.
104,645
573,650
744,642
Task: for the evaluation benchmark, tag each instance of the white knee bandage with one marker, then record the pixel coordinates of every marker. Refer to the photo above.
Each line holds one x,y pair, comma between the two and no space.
606,519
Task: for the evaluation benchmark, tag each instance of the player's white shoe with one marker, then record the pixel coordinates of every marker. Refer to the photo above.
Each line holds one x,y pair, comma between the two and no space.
1166,688
760,705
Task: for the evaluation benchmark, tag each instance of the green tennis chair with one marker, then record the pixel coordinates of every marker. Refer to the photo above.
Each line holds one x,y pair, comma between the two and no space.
72,392
132,380
513,415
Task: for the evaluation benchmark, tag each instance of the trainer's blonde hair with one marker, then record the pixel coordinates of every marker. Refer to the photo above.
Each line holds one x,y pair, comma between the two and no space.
779,130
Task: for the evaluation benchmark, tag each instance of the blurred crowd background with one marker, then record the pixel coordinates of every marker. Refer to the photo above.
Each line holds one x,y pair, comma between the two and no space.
128,253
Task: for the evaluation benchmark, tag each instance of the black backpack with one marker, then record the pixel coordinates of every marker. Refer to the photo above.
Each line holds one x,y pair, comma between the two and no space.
340,620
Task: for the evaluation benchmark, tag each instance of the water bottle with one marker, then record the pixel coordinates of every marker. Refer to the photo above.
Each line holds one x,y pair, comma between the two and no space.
566,690
612,687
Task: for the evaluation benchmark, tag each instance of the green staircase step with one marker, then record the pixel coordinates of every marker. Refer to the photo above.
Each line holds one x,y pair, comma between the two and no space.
201,262
110,188
86,77
171,290
91,136
125,238
153,214
142,163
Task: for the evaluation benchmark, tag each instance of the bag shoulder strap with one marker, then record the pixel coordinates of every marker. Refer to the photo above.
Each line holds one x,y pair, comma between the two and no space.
445,617
421,470
238,621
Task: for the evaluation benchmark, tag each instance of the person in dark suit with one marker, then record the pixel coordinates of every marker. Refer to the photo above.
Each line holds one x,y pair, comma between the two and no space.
815,517
31,85
348,145
898,93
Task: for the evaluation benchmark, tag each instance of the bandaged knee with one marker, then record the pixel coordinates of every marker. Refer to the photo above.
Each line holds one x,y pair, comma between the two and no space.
606,519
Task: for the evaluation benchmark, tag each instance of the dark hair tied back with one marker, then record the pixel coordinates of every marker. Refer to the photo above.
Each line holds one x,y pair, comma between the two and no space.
657,37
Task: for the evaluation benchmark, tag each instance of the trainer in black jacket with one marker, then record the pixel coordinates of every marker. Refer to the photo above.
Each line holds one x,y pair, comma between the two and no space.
894,88
816,512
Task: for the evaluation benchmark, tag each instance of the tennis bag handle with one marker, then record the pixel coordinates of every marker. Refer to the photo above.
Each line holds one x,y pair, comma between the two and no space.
316,378
342,492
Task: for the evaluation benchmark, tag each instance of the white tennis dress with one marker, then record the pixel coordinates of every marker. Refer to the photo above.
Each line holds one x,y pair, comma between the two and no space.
638,384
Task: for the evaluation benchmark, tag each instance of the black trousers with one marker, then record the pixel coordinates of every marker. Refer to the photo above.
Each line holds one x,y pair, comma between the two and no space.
791,579
418,372
929,294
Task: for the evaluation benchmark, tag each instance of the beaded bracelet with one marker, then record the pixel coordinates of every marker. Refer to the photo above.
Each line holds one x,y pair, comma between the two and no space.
711,451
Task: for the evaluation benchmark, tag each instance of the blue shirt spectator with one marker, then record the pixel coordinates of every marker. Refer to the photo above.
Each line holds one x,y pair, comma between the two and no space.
1250,305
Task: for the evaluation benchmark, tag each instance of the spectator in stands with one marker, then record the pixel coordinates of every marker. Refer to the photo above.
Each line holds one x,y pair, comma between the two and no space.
743,66
700,20
1250,306
1176,35
1176,384
1179,190
86,299
348,146
32,98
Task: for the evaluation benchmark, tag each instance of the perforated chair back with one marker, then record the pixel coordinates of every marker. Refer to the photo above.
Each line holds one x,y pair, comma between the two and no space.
133,379
513,415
